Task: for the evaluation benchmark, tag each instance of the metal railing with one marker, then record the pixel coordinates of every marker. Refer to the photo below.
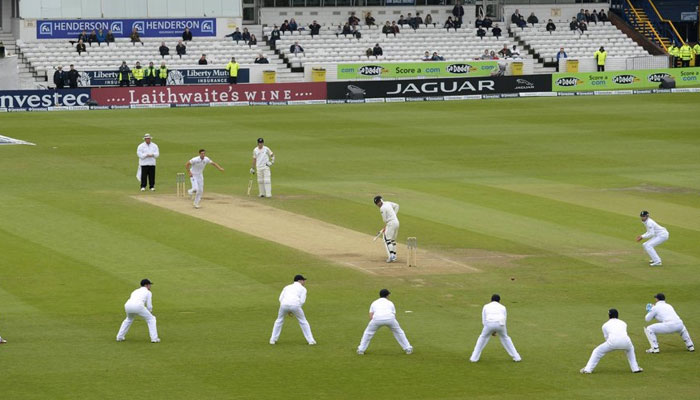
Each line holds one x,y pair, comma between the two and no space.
662,24
629,9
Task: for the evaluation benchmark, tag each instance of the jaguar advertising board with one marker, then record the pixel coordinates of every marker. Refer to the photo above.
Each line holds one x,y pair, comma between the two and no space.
181,76
428,69
171,27
624,80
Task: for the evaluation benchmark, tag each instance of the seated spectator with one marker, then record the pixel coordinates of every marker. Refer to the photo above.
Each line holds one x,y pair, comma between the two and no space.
135,37
80,47
236,36
581,16
514,53
347,30
181,49
387,28
428,19
377,51
551,27
449,24
285,26
493,55
505,51
437,57
417,21
369,19
426,56
357,34
295,48
402,20
92,38
582,26
314,28
164,50
517,19
602,17
486,55
83,36
245,35
481,32
293,26
253,41
594,17
395,28
203,60
411,21
487,22
369,53
587,16
479,22
496,31
101,36
260,59
573,25
110,37
353,20
274,36
187,35
59,78
532,19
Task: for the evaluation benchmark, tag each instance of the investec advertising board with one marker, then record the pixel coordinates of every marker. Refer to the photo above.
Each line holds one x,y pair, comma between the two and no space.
71,28
428,69
620,80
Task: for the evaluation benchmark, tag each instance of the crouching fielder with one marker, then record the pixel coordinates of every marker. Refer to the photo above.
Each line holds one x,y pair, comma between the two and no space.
615,333
291,300
391,228
263,158
139,303
656,234
669,322
383,313
493,317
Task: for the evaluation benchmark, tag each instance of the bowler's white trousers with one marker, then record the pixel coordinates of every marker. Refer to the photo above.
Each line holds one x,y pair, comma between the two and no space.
489,329
197,181
264,182
653,242
612,345
297,312
132,310
667,327
374,325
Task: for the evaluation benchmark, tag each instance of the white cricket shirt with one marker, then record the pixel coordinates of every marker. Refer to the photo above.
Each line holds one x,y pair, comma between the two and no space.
141,296
389,211
198,164
663,312
293,295
383,309
615,330
145,149
493,312
262,156
653,229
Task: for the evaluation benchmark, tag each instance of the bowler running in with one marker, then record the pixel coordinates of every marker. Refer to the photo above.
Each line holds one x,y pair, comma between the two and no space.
195,168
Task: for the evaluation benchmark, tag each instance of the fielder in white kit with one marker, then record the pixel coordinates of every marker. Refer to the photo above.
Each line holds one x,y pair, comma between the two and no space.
391,227
658,235
140,303
383,313
493,317
195,168
263,158
616,338
291,300
669,322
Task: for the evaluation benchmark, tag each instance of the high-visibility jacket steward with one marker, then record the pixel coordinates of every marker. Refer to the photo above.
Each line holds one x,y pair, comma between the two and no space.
601,56
138,73
163,72
232,68
151,72
686,53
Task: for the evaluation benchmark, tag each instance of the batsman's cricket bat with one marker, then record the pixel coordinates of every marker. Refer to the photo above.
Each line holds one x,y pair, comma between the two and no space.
250,184
378,235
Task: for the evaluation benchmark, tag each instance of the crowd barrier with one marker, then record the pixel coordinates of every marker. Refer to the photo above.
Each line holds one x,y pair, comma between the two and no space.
360,91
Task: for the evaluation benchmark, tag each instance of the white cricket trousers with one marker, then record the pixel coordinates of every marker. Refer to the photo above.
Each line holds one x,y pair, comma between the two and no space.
374,325
197,182
303,323
653,242
612,345
264,182
667,327
390,234
132,310
489,329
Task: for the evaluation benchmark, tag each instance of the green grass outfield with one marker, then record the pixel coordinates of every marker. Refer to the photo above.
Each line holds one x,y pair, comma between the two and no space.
560,181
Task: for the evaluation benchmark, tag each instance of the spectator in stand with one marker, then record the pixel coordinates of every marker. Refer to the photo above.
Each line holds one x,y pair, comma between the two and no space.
187,35
237,36
493,55
369,19
295,48
487,22
517,19
124,75
260,59
602,17
551,27
582,26
417,21
515,53
353,20
594,17
245,35
486,55
449,24
395,28
164,50
581,16
59,78
411,20
72,76
369,52
428,19
426,56
285,26
458,12
505,51
600,57
573,25
253,41
109,38
387,28
532,19
163,74
587,16
479,22
293,26
347,30
83,36
377,51
80,47
402,21
101,36
357,34
151,74
481,32
561,54
92,38
203,60
437,57
496,31
274,36
135,37
314,28
138,73
181,49
232,67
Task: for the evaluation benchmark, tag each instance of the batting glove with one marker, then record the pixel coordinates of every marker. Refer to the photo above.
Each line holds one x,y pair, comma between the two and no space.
649,306
252,171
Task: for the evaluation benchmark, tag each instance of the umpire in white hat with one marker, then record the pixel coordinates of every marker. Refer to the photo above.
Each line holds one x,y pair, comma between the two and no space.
147,153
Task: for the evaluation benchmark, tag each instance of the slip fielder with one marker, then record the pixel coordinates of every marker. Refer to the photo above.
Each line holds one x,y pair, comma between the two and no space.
669,322
195,168
291,300
388,210
140,303
493,317
615,333
658,235
382,312
263,158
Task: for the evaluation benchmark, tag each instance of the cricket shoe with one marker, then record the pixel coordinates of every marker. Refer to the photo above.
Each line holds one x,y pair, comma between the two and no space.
153,189
155,340
691,348
653,350
120,339
143,189
272,342
312,343
517,359
196,205
583,371
360,353
2,341
409,350
655,264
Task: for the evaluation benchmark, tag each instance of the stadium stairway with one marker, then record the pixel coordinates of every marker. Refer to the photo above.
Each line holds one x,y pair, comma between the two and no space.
639,19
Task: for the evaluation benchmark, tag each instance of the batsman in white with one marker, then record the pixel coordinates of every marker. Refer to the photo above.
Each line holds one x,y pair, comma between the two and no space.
140,303
493,317
658,235
263,158
391,227
615,333
383,313
195,168
291,300
669,322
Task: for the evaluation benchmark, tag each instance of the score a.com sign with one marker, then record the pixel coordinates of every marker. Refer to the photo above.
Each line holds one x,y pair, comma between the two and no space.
70,29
